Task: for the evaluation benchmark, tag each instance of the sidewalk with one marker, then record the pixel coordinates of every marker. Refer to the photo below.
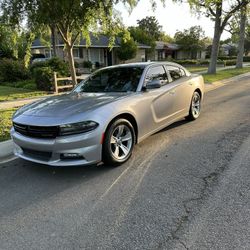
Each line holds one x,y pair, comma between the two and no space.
20,102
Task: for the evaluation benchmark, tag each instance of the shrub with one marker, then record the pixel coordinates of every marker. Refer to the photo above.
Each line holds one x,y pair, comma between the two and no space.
186,62
77,64
56,64
37,65
246,59
227,57
44,78
13,70
204,62
43,72
97,64
230,62
87,64
59,66
221,63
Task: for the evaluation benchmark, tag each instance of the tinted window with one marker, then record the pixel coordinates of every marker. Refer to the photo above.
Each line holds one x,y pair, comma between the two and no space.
121,79
156,73
175,72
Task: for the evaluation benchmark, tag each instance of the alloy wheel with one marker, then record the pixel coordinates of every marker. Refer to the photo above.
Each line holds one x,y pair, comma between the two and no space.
121,142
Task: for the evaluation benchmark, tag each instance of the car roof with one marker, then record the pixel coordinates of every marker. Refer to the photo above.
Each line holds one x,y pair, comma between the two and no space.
143,64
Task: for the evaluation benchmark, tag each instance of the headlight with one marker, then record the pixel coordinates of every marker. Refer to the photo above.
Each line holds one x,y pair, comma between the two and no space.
77,128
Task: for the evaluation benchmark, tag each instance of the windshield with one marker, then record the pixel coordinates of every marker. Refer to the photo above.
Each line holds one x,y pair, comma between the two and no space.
119,79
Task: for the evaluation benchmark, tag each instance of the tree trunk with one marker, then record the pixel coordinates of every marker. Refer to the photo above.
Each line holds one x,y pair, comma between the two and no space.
240,55
53,38
216,40
71,63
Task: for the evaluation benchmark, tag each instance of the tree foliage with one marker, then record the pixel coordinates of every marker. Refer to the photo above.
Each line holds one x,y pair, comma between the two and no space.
191,39
220,11
72,19
150,26
127,50
8,42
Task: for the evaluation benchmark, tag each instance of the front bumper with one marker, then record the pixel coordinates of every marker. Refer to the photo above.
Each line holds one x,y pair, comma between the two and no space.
49,151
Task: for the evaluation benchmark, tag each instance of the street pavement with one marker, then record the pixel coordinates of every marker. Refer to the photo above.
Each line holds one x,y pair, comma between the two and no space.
186,187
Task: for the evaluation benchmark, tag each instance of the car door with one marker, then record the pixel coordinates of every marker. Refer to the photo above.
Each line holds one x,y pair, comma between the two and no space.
181,89
160,99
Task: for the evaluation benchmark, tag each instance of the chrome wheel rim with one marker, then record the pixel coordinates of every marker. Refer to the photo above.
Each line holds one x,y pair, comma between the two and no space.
121,142
196,105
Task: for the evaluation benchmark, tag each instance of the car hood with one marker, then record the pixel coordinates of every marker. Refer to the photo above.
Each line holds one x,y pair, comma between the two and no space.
69,104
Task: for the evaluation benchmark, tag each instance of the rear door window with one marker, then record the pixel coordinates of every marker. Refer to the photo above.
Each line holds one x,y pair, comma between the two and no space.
175,72
157,73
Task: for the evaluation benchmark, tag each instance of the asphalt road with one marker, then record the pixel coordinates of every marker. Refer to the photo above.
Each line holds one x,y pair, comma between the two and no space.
186,187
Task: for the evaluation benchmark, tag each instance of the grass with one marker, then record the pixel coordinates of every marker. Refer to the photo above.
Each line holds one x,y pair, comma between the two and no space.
24,84
5,123
195,69
224,74
8,93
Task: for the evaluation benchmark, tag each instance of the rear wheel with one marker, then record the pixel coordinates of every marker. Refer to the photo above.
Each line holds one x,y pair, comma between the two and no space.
119,142
195,107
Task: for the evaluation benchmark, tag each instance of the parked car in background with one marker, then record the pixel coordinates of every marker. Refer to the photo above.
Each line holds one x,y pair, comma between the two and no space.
106,114
36,60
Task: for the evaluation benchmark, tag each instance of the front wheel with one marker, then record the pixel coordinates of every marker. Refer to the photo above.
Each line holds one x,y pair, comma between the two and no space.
195,107
119,142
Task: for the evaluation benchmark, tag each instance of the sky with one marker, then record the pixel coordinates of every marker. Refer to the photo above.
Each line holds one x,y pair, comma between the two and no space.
173,17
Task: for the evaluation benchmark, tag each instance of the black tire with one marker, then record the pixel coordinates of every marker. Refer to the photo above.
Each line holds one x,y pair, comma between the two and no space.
195,107
109,151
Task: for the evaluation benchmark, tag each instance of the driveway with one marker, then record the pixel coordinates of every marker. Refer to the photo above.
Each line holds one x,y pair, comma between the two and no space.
186,187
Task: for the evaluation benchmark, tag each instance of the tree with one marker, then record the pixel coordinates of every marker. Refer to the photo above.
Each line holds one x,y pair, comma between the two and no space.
242,27
239,29
141,36
247,40
150,26
166,38
220,13
127,50
72,19
192,39
8,42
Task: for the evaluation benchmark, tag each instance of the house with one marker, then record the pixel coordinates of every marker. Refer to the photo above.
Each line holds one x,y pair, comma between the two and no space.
229,49
164,50
98,52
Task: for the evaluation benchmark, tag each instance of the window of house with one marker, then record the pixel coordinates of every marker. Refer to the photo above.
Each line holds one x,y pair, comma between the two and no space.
47,53
176,72
76,53
157,73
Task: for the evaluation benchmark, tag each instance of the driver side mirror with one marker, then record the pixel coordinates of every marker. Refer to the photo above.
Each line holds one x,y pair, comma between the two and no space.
154,84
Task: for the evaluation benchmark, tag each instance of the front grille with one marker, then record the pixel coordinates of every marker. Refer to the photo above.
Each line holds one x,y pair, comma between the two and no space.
39,155
37,131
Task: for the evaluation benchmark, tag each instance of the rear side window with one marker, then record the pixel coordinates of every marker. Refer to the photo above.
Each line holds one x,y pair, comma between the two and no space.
157,73
176,72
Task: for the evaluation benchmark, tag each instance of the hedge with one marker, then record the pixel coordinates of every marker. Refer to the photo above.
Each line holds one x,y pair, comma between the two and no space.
13,70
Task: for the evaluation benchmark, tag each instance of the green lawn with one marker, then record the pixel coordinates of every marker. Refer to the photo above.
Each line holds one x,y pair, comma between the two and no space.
224,74
5,123
196,69
8,93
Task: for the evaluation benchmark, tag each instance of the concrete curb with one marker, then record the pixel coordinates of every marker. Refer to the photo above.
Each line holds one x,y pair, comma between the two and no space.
6,147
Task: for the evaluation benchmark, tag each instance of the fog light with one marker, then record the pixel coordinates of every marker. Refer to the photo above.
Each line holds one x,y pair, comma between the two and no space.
67,156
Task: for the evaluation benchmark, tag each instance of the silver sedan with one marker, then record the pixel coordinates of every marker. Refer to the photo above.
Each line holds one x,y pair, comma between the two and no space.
107,114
